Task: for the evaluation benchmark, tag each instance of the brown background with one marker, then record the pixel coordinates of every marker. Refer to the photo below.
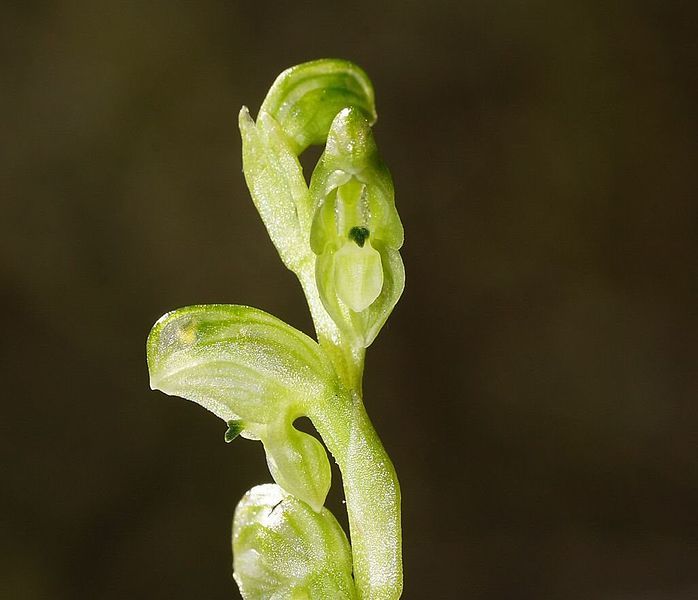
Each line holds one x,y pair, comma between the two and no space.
536,386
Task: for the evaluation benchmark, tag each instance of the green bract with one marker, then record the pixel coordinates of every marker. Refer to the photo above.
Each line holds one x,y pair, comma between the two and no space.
284,550
247,366
305,99
341,237
275,179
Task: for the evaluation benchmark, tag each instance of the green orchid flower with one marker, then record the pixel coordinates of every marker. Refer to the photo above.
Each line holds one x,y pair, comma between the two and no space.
356,232
341,237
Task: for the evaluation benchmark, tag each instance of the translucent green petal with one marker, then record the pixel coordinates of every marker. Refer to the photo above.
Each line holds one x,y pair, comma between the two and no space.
284,550
325,277
371,320
305,99
361,326
358,274
247,366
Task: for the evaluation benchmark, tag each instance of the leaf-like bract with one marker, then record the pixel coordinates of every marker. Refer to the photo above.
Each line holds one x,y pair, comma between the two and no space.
278,189
305,99
246,365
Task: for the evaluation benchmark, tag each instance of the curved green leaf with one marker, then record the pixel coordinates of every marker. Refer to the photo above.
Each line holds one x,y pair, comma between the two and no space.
282,550
247,366
305,99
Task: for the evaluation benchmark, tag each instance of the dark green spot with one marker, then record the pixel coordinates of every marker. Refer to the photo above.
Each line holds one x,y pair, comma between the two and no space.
359,235
234,430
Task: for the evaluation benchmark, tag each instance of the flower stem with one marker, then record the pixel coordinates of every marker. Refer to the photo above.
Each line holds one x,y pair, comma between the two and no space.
372,493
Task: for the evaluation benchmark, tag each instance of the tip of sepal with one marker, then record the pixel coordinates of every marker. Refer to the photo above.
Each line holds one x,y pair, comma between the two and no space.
244,114
246,125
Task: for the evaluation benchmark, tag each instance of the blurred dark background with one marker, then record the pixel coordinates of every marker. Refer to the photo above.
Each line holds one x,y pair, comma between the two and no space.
536,386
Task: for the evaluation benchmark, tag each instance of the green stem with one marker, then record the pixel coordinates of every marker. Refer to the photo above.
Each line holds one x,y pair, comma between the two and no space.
372,493
347,358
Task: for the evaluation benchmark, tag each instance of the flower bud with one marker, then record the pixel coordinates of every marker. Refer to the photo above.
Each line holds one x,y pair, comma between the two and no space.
282,549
